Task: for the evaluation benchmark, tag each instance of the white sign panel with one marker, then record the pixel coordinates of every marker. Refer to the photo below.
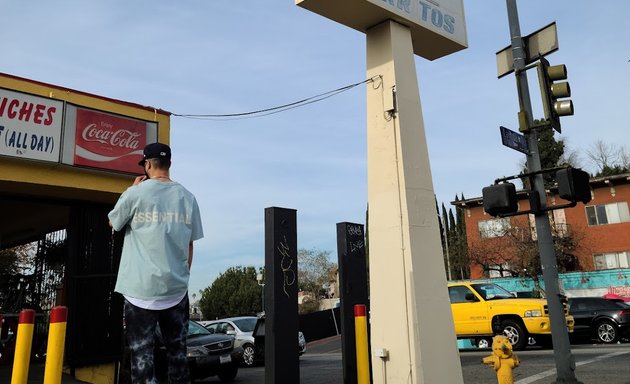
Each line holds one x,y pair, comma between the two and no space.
445,17
30,126
438,27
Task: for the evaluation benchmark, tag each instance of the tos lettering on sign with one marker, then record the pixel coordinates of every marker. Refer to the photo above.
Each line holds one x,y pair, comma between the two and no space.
108,142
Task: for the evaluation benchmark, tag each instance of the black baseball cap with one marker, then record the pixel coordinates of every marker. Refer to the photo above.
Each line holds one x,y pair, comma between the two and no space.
156,151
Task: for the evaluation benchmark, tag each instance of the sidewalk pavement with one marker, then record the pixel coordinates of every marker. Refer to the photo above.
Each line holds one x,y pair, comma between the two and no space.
35,375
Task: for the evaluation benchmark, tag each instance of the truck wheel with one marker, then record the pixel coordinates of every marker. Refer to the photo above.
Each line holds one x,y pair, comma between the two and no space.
514,331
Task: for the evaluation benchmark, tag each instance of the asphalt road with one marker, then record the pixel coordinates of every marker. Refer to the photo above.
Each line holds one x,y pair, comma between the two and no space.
322,364
596,363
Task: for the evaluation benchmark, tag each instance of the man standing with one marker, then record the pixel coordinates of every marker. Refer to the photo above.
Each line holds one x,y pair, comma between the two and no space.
162,220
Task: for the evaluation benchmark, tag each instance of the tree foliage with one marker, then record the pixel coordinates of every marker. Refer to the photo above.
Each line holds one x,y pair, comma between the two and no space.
443,237
234,293
608,159
551,154
14,264
454,242
315,272
551,150
460,258
516,254
13,260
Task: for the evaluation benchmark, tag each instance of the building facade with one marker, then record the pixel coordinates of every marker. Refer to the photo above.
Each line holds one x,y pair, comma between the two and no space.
598,233
65,158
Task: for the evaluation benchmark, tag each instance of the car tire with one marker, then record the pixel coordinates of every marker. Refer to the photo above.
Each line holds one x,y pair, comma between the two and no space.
515,333
228,374
249,355
606,332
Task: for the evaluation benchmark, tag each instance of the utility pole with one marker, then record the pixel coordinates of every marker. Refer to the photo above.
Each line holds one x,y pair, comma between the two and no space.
411,332
565,362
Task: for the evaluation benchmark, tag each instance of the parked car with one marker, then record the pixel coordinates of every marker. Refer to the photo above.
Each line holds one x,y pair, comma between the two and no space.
208,354
599,318
615,297
301,343
482,310
259,336
241,328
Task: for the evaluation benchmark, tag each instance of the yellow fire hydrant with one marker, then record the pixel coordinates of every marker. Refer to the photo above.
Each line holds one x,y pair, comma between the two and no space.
502,359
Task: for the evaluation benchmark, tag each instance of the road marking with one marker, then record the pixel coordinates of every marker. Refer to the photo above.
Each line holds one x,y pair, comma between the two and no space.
550,372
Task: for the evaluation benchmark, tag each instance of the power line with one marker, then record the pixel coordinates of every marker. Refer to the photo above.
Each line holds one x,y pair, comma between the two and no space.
273,110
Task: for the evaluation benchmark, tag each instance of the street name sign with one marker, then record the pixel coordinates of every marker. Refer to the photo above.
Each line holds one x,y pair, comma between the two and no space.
514,140
537,44
438,27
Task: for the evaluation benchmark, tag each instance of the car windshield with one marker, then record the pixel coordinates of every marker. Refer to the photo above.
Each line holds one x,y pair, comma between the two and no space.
246,324
492,292
196,329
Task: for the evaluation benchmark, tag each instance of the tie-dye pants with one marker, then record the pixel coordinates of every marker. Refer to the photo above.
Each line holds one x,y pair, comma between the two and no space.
141,334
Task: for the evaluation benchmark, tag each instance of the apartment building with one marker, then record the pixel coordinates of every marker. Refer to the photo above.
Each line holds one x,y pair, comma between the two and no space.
600,228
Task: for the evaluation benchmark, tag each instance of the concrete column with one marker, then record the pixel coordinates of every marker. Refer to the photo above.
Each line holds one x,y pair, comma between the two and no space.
411,320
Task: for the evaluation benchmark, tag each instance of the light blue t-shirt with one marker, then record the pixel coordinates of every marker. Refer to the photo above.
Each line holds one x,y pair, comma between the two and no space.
162,218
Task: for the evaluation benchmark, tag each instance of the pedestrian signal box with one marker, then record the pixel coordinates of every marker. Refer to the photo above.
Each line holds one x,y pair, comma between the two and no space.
500,199
573,185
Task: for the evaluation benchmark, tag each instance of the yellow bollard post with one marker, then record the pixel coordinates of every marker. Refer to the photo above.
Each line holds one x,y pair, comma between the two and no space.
363,355
56,343
24,339
502,359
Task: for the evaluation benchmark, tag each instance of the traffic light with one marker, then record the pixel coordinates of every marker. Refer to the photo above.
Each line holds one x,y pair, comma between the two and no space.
573,185
551,92
500,199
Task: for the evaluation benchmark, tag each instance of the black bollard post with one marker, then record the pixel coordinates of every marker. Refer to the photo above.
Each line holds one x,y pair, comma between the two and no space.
353,288
281,288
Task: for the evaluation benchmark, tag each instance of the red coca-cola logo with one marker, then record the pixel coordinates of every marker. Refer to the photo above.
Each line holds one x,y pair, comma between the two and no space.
108,141
122,138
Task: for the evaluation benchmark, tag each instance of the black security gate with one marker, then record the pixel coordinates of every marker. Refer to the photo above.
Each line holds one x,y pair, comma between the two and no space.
73,264
31,277
94,332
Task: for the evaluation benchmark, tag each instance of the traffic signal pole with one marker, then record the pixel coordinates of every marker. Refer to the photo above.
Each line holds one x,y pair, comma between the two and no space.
565,362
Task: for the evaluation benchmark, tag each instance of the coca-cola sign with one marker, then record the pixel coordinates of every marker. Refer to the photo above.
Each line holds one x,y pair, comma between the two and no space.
108,141
121,138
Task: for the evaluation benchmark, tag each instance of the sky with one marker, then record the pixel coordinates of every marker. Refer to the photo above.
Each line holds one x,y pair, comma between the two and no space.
223,57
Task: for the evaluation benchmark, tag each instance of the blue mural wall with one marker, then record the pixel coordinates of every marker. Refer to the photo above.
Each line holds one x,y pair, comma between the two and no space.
575,284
